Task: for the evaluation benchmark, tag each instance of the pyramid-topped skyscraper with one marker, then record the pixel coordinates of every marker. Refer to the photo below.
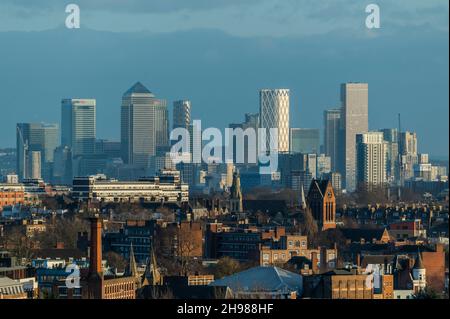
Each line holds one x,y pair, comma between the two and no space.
144,125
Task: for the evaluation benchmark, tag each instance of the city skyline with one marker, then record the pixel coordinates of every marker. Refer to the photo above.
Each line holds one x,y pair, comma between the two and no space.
206,62
233,152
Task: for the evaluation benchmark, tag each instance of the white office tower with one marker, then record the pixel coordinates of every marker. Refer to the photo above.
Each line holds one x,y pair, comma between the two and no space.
274,113
78,125
371,151
35,165
355,108
144,125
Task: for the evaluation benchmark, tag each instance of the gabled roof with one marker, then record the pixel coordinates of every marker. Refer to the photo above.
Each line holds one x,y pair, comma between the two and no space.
262,279
139,88
320,184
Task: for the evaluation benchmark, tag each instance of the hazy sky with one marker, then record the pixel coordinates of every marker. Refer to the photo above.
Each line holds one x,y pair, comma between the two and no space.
219,53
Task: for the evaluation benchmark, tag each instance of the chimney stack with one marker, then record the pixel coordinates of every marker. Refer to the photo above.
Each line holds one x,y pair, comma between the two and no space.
95,262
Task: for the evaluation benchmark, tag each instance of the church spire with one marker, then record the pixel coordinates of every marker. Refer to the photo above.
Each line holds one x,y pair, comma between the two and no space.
152,276
302,199
418,264
131,270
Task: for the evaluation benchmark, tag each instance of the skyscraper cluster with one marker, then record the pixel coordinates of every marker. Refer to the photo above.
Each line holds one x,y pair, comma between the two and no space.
349,154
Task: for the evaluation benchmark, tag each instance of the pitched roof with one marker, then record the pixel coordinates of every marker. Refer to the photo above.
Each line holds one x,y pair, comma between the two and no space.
356,234
138,87
261,278
377,259
418,264
320,184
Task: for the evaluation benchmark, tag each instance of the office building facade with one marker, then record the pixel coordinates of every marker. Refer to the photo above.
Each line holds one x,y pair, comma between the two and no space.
274,113
78,125
355,109
144,125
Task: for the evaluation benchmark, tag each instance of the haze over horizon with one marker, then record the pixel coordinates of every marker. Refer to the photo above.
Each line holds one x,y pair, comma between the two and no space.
198,52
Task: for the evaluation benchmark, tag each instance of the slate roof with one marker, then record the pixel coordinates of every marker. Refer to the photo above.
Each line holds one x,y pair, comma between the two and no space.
259,279
419,264
356,234
55,253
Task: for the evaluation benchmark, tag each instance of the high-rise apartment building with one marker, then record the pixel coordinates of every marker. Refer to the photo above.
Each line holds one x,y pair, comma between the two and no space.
274,113
35,137
331,137
371,159
78,125
355,116
408,143
305,140
409,155
391,137
144,125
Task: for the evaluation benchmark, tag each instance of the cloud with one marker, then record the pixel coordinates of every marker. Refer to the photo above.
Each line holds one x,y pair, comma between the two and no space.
147,6
236,17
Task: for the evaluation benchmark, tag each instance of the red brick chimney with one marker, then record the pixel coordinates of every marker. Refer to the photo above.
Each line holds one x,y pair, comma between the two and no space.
95,287
95,261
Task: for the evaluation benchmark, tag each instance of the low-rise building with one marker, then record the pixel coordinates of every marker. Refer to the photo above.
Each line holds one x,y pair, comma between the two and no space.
165,188
11,289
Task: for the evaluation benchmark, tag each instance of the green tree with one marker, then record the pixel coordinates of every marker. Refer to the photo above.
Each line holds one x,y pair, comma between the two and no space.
226,266
427,293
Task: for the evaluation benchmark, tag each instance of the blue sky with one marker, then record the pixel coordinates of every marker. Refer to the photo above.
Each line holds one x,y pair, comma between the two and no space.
219,53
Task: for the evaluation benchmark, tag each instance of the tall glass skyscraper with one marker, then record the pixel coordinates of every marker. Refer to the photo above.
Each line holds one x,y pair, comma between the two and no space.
78,125
355,116
331,119
274,113
36,143
144,125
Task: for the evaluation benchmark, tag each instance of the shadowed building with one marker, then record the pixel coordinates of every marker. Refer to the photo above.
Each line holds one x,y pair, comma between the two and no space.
95,284
322,203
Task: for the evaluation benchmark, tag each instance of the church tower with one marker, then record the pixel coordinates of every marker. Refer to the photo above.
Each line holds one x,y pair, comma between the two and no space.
236,195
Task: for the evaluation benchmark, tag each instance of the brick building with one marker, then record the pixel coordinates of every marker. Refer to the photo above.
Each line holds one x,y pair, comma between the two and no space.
95,285
338,284
322,203
11,195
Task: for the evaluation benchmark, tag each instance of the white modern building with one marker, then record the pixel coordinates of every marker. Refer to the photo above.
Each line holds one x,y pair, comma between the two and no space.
371,159
165,188
274,113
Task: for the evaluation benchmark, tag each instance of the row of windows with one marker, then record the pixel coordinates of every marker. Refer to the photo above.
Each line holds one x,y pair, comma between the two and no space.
11,290
119,287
